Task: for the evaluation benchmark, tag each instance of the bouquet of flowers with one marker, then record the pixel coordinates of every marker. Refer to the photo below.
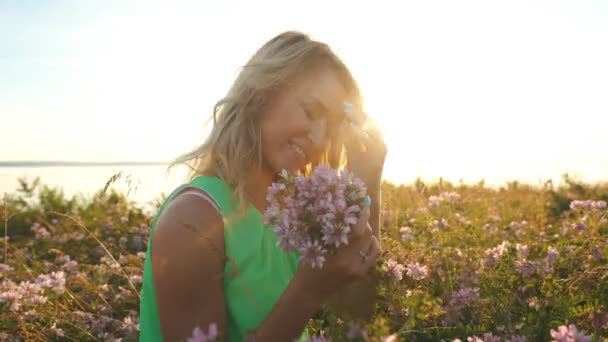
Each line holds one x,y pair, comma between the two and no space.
314,214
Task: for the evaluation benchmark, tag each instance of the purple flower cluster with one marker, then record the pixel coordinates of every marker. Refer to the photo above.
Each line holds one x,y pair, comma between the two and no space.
40,232
417,271
440,224
587,204
522,251
493,254
314,214
394,268
464,297
4,268
54,281
526,267
435,201
489,337
26,295
406,234
569,334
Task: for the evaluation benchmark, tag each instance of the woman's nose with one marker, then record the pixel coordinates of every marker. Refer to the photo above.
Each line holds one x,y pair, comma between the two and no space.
318,132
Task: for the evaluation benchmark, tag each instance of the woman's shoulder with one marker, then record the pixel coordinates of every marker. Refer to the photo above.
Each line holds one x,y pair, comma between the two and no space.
192,210
193,207
216,189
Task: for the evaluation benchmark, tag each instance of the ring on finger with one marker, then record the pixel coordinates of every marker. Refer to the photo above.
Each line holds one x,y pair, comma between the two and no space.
365,256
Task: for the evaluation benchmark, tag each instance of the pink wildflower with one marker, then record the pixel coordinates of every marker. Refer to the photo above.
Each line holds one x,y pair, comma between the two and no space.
198,335
313,253
417,271
395,269
569,334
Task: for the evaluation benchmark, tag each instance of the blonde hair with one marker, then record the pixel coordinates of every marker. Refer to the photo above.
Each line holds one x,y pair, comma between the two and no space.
235,138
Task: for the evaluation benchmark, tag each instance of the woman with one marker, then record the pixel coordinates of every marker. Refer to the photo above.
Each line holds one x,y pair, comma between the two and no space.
210,259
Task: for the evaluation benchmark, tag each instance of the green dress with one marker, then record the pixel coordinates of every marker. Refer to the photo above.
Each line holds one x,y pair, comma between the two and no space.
264,270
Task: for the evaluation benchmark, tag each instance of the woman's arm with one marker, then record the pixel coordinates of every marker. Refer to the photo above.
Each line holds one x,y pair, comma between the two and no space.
357,299
290,314
188,262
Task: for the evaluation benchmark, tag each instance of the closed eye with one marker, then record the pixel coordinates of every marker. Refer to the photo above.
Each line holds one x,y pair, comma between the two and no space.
311,115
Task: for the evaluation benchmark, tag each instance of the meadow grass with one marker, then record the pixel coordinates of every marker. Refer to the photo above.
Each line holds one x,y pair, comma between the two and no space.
512,263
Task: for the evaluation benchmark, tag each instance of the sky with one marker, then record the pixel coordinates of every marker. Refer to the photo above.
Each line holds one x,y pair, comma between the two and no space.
471,90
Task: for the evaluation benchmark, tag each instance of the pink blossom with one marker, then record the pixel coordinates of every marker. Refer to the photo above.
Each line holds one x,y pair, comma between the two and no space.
417,271
10,296
406,234
313,253
464,297
5,268
441,224
394,268
522,251
390,338
569,334
198,335
57,331
435,201
525,267
37,299
493,254
534,303
489,337
130,324
135,278
587,204
552,255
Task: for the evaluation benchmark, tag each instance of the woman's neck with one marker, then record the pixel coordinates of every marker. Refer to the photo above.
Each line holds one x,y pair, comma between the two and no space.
260,178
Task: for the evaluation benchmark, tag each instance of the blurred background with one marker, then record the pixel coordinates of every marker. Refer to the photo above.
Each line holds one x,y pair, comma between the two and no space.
468,91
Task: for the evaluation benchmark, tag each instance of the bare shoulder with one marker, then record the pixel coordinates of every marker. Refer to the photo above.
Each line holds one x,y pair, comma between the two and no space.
191,213
189,226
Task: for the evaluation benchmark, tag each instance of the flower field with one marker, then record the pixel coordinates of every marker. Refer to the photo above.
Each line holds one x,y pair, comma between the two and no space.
460,262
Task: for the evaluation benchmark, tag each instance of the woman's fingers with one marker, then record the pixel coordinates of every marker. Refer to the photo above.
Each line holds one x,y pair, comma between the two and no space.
373,253
362,222
353,115
361,131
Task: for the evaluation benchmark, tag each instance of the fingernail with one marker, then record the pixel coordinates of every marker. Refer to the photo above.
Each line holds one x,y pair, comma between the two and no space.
367,200
348,109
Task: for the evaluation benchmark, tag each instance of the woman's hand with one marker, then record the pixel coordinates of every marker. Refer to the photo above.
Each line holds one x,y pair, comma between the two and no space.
351,262
364,143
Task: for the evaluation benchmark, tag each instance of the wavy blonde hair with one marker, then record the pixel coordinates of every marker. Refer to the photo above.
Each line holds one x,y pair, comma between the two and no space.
235,139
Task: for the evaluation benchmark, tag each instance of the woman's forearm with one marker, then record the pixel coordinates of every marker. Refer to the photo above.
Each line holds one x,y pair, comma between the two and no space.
290,314
358,298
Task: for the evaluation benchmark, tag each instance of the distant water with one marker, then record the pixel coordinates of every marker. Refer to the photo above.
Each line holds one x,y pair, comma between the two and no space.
146,182
141,182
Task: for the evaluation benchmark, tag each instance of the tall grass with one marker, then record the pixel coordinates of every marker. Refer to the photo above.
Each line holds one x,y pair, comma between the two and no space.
460,261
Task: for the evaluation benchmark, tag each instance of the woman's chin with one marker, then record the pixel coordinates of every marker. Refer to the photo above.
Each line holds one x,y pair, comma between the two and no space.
290,167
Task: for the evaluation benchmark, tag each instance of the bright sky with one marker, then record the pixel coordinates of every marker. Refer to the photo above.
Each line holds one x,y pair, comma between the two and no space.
463,89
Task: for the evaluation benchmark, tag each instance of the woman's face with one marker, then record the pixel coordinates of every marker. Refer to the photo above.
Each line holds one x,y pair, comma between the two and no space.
297,123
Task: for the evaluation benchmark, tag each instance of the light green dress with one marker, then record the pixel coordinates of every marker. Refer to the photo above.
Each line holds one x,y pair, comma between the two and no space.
264,269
